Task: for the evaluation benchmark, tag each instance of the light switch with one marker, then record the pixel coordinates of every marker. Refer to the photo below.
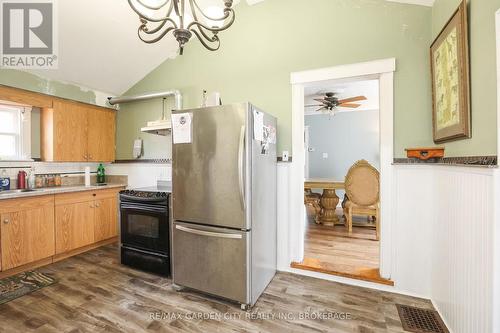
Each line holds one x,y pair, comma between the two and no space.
325,155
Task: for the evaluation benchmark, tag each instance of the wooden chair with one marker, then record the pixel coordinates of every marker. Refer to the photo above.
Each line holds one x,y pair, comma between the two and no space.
362,186
313,199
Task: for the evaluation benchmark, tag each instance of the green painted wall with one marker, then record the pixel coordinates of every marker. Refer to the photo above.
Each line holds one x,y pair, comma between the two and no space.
483,73
274,38
28,81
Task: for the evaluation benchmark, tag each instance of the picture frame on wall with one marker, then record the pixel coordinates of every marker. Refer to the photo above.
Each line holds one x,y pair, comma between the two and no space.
451,112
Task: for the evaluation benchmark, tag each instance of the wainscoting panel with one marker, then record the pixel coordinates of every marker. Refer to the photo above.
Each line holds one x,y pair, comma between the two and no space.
463,252
444,241
412,244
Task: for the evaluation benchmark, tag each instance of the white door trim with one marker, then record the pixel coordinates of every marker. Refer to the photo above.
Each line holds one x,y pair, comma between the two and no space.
496,208
379,69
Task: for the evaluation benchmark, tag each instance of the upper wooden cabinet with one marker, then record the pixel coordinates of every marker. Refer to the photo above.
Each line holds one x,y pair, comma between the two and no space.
77,132
25,97
27,230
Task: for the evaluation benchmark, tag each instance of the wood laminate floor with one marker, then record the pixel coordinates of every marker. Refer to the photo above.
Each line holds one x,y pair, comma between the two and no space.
332,250
96,294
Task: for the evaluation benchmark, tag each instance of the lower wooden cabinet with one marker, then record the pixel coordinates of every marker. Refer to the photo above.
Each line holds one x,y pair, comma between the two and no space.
106,219
27,230
84,218
53,227
74,226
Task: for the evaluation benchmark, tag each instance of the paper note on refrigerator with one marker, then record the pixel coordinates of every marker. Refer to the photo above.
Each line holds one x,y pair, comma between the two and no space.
258,125
181,128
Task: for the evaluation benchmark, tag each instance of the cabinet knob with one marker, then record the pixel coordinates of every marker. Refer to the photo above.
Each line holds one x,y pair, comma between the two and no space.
97,204
91,205
6,221
90,157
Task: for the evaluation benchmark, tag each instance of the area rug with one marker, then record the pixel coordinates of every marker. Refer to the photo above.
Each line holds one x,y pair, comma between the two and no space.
22,284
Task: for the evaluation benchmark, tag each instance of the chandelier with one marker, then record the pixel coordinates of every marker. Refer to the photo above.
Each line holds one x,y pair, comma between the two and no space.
184,18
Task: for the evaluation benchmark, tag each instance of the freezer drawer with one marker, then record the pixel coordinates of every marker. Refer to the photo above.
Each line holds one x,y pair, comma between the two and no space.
212,260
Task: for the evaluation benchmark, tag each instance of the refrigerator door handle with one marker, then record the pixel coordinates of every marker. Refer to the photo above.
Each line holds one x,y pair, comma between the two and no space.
208,233
241,152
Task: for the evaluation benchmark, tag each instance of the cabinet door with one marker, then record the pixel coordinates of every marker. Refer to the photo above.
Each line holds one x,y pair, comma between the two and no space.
106,219
101,134
27,235
74,226
69,132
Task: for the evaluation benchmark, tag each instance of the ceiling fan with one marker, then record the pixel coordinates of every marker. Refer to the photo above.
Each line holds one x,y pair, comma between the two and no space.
330,102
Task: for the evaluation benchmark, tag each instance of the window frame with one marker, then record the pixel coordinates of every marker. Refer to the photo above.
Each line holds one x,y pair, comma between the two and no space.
22,136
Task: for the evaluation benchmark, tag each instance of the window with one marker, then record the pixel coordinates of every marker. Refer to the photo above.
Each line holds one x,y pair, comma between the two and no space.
14,123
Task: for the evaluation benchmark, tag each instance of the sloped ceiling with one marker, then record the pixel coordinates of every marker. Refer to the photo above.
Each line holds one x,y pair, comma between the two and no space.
99,48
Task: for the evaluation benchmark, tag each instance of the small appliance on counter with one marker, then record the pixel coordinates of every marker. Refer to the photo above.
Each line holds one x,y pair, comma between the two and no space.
145,229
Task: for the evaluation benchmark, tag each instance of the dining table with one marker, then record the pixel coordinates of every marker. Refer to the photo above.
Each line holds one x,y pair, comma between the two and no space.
329,199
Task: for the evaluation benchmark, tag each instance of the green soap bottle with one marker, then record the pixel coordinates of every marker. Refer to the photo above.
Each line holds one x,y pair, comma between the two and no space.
101,176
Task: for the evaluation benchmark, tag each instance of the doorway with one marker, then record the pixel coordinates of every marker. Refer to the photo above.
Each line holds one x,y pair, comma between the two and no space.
341,132
382,71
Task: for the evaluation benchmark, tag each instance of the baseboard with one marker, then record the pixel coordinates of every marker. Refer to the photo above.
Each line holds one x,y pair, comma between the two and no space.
72,253
27,267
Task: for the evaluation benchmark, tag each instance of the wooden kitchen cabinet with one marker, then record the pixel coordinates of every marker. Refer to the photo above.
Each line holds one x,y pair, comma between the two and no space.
74,226
84,218
77,132
101,132
26,230
106,219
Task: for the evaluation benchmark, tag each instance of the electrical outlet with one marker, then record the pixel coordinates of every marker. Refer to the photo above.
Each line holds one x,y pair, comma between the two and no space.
284,156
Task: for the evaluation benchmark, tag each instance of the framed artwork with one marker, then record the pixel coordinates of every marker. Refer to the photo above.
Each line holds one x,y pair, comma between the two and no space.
451,116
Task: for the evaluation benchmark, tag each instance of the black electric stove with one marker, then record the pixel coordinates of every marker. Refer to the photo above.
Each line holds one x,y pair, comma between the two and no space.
145,229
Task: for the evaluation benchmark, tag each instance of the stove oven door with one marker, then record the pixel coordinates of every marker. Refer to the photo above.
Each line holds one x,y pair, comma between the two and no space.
145,226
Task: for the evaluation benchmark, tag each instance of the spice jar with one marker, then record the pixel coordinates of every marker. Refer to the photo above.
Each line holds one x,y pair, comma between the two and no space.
39,181
57,180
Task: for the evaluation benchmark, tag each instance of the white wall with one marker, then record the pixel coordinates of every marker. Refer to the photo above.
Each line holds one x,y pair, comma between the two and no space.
141,174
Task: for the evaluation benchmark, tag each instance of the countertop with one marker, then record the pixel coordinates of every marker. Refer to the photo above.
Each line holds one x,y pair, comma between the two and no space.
55,190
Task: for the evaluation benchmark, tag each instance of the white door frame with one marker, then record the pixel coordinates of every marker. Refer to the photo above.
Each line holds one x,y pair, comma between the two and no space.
383,70
307,154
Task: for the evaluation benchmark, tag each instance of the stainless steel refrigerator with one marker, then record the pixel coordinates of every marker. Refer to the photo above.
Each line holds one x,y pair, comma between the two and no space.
224,201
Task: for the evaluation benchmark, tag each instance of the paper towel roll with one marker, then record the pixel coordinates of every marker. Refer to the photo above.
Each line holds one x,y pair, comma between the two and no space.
87,176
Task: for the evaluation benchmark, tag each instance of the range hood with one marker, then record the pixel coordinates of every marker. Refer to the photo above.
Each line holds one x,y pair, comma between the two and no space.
158,127
162,126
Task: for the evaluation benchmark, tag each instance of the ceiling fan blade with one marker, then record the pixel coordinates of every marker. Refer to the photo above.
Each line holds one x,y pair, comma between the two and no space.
321,100
311,105
352,99
350,105
320,109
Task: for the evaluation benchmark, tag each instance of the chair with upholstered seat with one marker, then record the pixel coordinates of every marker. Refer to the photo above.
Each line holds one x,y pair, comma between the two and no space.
362,186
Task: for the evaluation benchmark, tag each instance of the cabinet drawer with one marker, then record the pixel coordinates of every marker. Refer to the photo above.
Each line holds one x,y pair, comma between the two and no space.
84,196
14,205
